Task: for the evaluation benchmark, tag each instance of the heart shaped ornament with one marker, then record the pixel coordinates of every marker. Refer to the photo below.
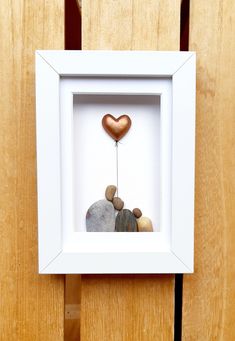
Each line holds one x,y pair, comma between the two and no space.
116,127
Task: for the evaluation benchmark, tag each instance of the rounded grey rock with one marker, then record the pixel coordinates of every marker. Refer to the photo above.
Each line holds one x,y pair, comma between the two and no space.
100,217
125,221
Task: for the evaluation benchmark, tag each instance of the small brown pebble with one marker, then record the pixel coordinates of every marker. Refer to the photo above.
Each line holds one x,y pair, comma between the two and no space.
144,224
137,212
118,203
110,192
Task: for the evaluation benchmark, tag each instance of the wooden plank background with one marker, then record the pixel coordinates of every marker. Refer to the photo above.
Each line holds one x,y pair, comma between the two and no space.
31,306
131,25
129,307
118,307
209,294
72,307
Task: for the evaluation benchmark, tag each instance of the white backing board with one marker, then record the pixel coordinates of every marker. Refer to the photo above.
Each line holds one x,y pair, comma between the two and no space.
95,164
88,153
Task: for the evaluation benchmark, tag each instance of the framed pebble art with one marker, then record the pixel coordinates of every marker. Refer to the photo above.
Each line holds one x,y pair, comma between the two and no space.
115,161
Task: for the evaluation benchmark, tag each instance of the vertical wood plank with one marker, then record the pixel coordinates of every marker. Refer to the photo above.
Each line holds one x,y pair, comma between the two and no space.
131,25
31,305
72,307
133,307
129,307
209,294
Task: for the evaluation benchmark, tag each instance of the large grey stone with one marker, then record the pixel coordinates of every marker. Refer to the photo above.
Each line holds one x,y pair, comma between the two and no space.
125,221
100,217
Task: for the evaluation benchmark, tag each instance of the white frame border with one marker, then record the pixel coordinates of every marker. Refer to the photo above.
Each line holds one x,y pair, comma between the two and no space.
50,66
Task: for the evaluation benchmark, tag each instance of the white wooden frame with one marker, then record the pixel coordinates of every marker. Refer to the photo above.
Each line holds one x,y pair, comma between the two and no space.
148,253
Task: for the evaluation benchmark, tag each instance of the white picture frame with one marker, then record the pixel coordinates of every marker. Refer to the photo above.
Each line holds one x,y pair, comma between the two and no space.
62,249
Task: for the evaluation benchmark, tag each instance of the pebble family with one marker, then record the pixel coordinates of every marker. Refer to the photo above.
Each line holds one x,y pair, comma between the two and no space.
109,215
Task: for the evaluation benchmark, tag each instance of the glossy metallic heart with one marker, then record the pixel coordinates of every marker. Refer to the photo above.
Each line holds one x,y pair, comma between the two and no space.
116,127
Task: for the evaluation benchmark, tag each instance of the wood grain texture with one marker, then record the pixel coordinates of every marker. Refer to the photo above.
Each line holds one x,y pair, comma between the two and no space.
209,294
31,306
72,308
129,307
133,307
130,25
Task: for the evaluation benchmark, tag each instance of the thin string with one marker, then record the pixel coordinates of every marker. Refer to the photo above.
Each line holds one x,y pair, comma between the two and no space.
116,145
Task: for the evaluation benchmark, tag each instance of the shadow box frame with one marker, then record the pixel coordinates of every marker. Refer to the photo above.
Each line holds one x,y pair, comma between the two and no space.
62,249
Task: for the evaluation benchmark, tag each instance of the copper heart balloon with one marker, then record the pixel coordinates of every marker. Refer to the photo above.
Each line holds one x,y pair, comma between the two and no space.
116,127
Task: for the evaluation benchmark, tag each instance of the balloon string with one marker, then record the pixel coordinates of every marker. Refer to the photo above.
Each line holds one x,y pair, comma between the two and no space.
116,145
